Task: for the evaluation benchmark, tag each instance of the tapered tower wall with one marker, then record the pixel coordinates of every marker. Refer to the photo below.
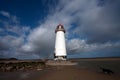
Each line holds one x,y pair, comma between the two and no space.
60,46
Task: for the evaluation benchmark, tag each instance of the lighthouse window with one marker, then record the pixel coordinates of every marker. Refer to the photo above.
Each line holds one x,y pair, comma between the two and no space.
60,27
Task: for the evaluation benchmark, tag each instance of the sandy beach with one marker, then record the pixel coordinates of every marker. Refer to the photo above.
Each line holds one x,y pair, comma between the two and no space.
74,73
85,70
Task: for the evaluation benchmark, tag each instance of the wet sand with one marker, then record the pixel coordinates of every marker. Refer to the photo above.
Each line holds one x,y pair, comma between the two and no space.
75,73
60,73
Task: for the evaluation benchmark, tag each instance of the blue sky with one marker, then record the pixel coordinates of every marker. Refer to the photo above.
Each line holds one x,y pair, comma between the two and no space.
27,28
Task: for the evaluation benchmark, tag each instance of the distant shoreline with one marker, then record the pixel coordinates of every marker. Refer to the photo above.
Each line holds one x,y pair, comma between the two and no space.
14,60
97,59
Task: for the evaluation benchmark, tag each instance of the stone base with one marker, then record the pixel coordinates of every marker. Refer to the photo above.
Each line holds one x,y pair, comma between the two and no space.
60,58
60,62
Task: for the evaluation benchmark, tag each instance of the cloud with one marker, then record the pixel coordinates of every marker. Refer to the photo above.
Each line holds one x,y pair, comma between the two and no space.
78,46
11,18
91,26
12,36
40,41
93,21
4,13
12,24
100,24
1,30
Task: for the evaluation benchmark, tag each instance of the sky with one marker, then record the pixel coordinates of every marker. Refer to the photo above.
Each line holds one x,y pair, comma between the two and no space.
27,28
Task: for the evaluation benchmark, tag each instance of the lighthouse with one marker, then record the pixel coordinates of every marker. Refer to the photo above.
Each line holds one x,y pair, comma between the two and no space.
60,46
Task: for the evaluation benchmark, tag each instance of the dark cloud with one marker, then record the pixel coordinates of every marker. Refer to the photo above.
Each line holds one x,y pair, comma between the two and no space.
101,24
3,46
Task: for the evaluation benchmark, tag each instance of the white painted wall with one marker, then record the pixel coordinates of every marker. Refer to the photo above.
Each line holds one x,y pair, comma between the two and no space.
60,46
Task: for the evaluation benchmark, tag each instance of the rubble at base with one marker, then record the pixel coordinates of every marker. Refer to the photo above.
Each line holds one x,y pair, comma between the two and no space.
21,66
60,62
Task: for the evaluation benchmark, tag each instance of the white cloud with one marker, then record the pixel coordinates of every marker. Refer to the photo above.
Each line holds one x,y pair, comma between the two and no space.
13,36
78,46
4,13
12,24
11,18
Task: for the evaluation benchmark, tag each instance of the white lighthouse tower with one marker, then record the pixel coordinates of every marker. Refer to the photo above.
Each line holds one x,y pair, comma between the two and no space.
60,46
